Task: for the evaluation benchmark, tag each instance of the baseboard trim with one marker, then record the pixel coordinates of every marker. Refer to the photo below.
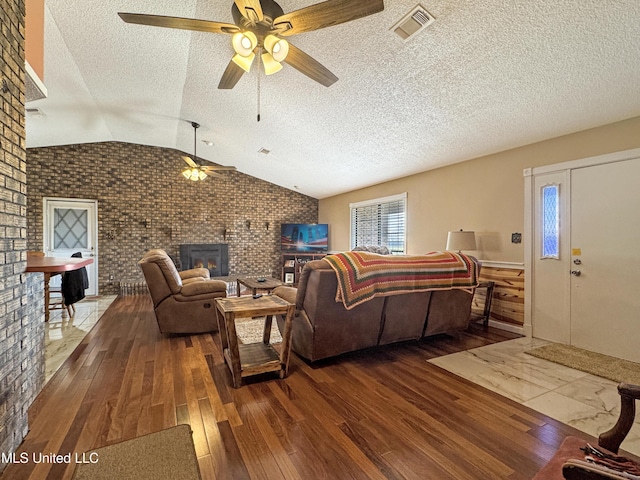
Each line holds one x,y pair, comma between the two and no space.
507,327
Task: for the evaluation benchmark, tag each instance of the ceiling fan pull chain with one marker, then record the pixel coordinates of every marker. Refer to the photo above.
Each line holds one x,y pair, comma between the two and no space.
195,143
258,70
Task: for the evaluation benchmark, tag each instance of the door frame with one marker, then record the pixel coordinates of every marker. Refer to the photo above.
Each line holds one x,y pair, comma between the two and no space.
94,228
529,216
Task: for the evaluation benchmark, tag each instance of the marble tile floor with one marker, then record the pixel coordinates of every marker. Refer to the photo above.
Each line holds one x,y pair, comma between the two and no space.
63,333
587,402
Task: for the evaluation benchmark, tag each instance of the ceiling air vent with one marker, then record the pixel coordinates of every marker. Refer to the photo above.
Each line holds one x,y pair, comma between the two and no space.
34,112
413,22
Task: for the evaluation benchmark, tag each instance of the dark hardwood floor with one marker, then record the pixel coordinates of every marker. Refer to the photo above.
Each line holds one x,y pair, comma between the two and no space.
381,413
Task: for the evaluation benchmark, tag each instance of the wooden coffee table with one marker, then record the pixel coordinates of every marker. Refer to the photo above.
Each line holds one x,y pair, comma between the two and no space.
253,284
252,359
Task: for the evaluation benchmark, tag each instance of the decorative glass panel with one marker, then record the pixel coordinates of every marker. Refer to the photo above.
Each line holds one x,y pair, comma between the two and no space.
70,228
550,222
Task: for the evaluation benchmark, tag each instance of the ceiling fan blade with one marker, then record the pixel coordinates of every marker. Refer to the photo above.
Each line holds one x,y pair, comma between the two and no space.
230,76
179,23
190,162
250,9
310,67
212,168
325,14
213,174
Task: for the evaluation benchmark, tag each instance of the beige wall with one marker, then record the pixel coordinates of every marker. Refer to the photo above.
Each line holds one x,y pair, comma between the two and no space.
485,194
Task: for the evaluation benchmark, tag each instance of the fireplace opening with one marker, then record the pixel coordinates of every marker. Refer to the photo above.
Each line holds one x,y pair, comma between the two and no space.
212,256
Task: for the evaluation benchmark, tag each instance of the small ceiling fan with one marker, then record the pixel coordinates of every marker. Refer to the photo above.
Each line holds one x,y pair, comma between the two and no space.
259,27
197,172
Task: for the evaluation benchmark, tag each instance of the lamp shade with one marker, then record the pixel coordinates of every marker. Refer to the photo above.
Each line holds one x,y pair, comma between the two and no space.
277,47
244,62
270,65
461,240
244,43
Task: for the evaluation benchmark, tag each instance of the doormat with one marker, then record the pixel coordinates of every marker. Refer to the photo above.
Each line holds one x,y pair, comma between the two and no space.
250,330
168,454
594,363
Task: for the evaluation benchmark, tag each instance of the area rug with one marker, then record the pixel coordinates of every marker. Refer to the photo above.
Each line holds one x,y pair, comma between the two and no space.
168,454
597,364
249,330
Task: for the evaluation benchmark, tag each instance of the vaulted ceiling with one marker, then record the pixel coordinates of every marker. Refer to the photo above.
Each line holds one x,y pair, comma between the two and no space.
486,76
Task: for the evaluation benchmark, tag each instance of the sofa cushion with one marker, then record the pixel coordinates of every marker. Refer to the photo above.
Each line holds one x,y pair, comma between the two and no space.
404,317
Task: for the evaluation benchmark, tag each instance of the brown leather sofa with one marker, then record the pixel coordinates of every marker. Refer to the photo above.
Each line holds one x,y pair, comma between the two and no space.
324,328
183,301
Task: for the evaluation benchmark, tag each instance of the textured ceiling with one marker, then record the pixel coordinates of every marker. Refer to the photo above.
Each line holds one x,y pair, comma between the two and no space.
486,76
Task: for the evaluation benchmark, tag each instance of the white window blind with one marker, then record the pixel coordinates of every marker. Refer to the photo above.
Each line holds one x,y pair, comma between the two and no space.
381,222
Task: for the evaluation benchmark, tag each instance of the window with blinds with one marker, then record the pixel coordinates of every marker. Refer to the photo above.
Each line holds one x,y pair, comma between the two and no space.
381,221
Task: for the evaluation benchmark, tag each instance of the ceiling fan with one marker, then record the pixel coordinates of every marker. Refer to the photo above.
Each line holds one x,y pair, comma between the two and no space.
197,172
259,27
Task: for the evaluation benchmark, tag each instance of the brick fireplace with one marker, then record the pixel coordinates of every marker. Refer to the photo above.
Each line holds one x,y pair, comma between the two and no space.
213,256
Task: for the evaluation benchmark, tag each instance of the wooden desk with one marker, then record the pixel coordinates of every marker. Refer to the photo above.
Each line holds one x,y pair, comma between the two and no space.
52,266
254,358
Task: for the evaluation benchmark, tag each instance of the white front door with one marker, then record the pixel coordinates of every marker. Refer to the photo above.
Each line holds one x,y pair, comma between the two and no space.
605,236
71,226
586,297
550,258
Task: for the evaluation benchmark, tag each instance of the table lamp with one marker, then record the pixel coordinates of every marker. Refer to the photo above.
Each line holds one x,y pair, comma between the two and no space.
461,240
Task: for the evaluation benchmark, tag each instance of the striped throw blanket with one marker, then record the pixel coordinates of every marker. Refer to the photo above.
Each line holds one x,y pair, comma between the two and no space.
363,275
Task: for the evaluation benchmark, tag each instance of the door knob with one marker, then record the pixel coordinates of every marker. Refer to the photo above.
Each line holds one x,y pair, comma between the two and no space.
577,273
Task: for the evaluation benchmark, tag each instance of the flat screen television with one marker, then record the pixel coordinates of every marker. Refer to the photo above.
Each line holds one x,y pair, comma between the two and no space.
304,237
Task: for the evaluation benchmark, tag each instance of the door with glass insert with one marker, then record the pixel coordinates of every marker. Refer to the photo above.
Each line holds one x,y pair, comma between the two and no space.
70,226
550,289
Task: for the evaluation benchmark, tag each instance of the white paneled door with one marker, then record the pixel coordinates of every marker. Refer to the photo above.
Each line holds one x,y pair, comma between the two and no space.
584,283
605,247
71,226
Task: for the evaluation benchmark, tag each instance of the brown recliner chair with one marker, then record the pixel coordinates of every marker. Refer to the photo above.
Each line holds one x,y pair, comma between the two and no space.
184,302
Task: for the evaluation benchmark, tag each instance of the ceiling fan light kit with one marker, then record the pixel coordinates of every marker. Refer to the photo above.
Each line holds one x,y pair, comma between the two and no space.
261,24
194,174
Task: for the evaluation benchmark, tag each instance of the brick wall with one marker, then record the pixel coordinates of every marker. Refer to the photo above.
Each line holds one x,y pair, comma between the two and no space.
21,322
144,202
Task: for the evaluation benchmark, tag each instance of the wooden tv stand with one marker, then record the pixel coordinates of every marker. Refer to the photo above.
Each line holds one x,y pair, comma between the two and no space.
293,263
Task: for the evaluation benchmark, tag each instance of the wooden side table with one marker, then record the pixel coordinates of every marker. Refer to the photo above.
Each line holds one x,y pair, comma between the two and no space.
490,285
254,358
